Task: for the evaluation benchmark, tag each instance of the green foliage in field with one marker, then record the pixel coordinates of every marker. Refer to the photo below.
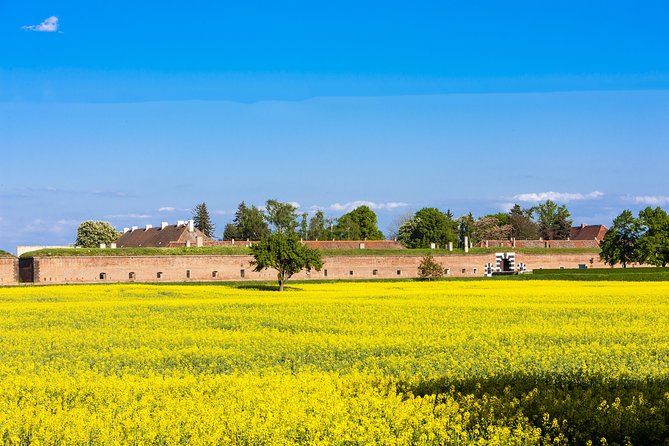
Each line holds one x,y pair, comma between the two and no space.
401,363
604,274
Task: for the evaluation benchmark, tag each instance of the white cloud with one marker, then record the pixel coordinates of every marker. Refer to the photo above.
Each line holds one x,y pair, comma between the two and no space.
565,197
505,207
166,209
650,200
49,25
347,207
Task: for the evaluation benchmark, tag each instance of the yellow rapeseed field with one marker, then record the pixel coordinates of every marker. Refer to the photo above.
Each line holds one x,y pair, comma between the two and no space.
388,363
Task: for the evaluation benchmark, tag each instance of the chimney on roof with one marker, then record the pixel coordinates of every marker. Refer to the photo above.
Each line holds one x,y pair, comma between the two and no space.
148,227
163,225
191,226
582,225
126,230
134,228
180,223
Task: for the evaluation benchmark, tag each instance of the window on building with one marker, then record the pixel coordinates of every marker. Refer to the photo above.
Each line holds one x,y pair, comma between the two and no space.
350,273
447,271
187,274
242,273
399,272
159,275
476,270
464,271
103,276
214,274
325,273
375,272
131,276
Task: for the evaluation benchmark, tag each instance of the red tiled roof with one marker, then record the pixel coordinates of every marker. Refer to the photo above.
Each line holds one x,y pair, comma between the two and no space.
589,232
157,237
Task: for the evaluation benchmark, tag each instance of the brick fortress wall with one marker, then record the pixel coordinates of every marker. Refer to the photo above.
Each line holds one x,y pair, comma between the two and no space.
237,267
9,271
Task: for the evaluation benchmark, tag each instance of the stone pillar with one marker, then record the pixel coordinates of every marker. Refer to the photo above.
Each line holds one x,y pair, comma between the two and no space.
486,243
103,245
466,244
433,246
187,243
199,241
450,246
113,246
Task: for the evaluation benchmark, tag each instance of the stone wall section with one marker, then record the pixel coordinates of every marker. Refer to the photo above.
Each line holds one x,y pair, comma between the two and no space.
9,271
100,269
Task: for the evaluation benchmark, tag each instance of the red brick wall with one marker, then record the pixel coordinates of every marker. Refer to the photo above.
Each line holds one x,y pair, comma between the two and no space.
174,268
540,244
9,270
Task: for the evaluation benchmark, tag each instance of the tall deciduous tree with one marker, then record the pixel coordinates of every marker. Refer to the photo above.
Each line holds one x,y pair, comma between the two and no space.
359,224
284,252
489,228
320,227
249,223
90,234
465,225
653,246
553,220
202,221
522,226
620,244
282,217
429,225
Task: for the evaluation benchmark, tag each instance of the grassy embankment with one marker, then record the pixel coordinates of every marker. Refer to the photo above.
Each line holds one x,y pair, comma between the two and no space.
216,250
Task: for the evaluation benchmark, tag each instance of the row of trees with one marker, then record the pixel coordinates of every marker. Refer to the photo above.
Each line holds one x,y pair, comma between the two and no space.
644,239
253,223
547,220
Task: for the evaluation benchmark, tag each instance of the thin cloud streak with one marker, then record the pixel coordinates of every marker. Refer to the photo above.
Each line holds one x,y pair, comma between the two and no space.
650,200
347,207
49,25
565,197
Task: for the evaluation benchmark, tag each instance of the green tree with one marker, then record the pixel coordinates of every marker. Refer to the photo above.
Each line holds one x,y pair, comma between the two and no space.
359,224
202,221
284,253
429,268
465,225
489,228
429,225
249,224
553,220
620,244
282,217
304,226
522,226
653,246
320,227
90,234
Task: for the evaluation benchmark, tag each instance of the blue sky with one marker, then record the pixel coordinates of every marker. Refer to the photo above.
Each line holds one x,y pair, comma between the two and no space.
133,112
